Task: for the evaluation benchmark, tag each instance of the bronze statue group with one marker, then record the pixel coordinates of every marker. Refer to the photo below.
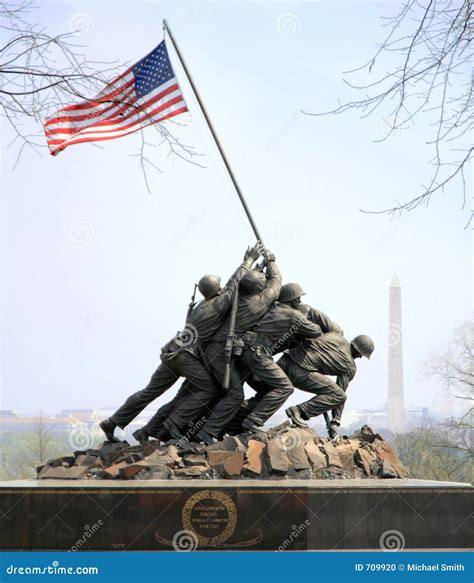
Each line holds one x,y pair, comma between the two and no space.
229,339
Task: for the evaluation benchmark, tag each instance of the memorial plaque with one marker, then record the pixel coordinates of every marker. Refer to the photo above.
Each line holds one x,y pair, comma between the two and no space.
233,515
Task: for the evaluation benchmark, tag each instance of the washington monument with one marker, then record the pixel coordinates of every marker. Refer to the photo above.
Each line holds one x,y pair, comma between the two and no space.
396,402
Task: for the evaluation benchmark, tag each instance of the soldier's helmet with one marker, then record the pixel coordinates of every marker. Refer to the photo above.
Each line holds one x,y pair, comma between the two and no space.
209,285
290,291
253,282
364,345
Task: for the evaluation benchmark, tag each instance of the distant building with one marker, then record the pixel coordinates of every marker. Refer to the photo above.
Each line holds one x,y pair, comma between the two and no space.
105,412
25,424
419,416
378,419
7,414
83,415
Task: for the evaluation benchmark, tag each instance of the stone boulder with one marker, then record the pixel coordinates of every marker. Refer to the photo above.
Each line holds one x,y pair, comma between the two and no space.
282,452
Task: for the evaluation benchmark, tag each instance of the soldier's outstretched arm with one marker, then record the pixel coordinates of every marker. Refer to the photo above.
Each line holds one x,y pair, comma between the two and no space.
303,328
223,301
272,290
251,255
324,321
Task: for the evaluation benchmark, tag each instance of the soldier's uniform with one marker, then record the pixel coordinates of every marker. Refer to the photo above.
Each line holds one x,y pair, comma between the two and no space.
307,365
320,318
251,308
181,357
154,427
279,327
278,330
316,317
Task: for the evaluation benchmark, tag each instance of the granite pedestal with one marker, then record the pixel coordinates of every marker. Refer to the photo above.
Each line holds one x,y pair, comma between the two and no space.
235,515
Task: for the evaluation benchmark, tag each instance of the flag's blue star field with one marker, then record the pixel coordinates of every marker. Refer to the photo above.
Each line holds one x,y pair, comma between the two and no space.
152,71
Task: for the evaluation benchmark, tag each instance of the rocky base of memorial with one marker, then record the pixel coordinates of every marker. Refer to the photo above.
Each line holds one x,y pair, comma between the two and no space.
282,452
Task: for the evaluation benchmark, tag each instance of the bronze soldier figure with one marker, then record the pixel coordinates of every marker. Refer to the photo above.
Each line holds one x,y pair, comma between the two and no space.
283,339
180,357
258,291
307,366
156,425
279,327
291,294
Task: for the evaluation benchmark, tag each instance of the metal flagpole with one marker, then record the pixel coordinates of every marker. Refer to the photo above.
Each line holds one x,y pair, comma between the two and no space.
213,132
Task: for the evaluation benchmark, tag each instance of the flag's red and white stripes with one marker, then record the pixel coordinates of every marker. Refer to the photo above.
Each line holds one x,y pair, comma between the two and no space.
113,113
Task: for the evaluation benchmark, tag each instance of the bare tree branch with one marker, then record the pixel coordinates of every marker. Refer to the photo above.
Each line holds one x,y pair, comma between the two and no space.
433,77
453,364
40,74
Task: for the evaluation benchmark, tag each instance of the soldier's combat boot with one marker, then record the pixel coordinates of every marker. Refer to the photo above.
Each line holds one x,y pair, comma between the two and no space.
108,427
173,429
249,426
194,437
205,437
141,436
294,414
162,434
235,426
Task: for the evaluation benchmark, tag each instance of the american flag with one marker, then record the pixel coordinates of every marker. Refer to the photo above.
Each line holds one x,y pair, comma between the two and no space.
144,94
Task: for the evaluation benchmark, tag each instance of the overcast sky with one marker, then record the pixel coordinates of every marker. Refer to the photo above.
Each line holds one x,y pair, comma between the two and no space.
97,272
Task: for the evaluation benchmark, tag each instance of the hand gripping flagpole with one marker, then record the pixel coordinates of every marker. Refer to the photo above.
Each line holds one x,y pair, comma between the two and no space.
213,132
